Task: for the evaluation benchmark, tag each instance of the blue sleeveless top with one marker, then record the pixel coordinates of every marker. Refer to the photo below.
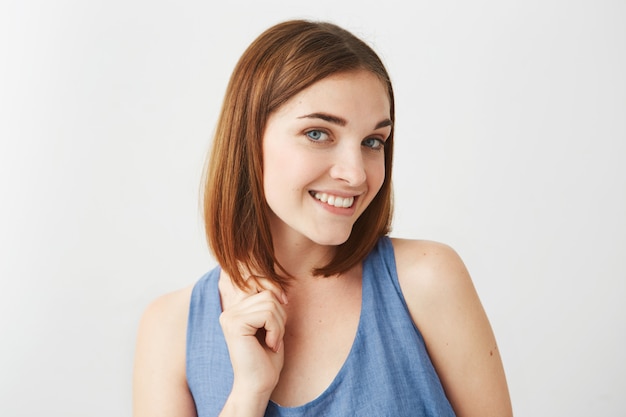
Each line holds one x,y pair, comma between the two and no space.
387,373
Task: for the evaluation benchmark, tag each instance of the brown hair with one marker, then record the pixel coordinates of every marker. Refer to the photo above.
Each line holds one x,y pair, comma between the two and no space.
281,62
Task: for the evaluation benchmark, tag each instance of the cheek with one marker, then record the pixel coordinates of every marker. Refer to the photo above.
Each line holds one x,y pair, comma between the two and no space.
271,175
376,175
281,169
288,165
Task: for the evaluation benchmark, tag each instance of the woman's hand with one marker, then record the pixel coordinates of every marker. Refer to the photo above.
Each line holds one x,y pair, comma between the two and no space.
253,322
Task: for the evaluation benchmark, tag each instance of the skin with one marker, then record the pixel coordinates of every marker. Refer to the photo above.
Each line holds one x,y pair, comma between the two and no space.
327,138
315,138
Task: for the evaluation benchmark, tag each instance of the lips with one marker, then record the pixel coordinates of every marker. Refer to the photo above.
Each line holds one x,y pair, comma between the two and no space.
333,200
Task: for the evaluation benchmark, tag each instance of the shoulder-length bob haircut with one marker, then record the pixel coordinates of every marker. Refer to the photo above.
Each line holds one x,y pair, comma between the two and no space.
281,62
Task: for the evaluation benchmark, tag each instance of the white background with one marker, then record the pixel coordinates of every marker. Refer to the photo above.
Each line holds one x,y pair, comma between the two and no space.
511,147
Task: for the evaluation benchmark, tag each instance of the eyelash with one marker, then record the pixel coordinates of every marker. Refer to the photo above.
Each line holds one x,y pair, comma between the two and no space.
308,134
379,146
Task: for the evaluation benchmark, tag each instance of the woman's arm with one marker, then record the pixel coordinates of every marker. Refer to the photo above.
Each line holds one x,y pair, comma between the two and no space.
159,383
446,308
159,380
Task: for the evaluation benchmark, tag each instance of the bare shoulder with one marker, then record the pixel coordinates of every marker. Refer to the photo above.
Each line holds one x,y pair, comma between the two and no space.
168,310
427,263
164,321
445,307
429,273
159,380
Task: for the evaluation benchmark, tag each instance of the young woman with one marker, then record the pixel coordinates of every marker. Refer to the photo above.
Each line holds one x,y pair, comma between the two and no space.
314,310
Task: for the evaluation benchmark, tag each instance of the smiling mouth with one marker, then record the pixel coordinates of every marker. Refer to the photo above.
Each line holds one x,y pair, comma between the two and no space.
333,200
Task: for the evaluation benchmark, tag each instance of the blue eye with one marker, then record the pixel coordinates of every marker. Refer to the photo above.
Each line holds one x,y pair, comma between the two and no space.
373,143
316,135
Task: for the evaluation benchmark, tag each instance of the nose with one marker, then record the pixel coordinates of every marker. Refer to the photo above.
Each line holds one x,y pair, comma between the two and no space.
349,166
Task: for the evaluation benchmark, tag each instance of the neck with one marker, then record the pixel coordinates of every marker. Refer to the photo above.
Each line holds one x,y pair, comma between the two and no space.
299,258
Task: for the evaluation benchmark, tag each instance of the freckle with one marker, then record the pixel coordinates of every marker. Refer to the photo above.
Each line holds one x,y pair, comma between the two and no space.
491,353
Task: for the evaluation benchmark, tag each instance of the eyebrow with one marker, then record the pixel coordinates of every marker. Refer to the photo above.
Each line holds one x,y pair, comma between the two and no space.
340,121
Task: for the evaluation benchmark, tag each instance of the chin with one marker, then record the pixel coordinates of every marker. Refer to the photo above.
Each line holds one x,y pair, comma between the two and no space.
334,240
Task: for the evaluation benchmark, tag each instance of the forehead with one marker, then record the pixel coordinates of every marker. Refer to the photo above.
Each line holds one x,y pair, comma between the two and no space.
357,93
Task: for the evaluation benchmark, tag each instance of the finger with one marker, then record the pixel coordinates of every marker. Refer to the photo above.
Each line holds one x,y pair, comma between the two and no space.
274,327
259,311
262,321
259,284
274,339
260,301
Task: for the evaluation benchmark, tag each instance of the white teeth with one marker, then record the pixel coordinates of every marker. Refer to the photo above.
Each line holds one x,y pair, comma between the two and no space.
335,201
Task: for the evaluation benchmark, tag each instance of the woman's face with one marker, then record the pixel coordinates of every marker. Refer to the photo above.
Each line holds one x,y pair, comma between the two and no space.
323,158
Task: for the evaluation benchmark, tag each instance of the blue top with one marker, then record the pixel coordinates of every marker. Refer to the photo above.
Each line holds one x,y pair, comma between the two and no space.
387,373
